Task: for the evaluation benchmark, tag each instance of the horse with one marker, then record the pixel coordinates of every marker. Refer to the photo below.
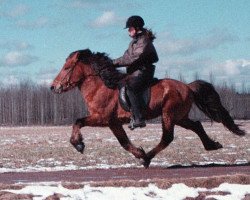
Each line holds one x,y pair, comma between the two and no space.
98,80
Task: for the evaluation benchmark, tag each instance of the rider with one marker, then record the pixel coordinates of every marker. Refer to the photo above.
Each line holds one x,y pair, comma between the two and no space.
138,59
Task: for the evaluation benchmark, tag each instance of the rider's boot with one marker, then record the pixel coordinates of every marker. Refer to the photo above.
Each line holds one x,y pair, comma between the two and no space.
138,119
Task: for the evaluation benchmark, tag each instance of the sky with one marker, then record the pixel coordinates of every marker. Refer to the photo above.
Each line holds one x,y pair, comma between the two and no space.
195,38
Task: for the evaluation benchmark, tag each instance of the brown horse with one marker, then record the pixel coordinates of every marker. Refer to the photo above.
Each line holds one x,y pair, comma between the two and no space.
94,75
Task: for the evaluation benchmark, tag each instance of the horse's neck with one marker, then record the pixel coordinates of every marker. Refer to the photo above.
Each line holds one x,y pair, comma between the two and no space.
94,91
90,85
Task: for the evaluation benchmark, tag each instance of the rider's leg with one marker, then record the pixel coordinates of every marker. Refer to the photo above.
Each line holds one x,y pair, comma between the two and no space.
135,87
136,108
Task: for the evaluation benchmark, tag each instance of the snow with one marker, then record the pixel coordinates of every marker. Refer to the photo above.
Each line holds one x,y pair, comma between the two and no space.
237,191
40,168
56,165
175,192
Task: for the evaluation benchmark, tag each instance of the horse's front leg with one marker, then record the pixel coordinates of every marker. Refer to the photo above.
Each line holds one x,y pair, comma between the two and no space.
76,137
123,139
167,138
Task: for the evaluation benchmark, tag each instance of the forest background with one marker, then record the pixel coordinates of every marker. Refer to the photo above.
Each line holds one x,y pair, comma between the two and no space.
28,103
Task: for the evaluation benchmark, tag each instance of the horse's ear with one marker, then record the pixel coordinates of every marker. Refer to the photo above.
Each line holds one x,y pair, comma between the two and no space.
76,56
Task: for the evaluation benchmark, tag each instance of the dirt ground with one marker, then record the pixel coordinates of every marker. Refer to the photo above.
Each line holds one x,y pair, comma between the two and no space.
43,149
48,148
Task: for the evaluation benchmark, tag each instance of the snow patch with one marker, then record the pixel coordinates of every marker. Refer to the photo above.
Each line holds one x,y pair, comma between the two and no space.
39,168
176,192
58,166
237,191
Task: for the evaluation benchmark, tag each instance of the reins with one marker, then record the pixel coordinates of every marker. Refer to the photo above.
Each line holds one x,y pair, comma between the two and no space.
69,74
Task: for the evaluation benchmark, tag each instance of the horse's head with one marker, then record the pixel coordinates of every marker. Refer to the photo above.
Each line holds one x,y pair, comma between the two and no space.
82,64
72,73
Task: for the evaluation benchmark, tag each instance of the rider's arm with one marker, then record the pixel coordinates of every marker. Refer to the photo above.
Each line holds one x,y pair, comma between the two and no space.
132,54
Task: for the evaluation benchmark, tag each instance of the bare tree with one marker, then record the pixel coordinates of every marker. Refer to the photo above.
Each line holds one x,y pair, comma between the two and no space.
31,104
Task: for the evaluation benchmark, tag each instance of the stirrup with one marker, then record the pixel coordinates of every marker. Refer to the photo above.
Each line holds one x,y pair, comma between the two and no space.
131,123
134,125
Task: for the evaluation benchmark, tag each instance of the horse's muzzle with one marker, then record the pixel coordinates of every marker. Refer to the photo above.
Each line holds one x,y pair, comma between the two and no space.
57,89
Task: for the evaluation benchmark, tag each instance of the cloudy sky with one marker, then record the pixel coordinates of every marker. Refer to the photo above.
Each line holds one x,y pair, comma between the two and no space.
194,37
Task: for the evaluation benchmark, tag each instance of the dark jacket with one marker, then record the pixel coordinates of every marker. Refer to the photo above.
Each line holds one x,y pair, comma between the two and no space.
140,55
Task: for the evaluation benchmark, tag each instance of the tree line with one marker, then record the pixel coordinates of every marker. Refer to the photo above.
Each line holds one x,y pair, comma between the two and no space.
31,104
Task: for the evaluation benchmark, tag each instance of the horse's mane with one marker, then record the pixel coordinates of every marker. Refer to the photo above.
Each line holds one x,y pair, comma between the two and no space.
102,65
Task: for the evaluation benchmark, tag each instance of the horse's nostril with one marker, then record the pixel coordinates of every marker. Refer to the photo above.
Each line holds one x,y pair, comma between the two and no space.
52,88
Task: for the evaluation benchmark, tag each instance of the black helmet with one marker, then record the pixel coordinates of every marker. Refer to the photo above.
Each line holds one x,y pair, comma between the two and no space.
135,21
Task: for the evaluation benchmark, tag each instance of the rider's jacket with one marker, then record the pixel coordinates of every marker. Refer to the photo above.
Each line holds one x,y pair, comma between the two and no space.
140,55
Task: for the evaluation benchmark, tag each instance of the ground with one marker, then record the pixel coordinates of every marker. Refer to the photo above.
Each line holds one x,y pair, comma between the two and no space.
36,149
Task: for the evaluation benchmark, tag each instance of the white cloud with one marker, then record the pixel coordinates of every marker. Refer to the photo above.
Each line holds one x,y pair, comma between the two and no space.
99,4
15,12
170,45
17,58
178,56
245,63
106,19
236,72
38,23
79,4
15,45
233,71
186,66
18,11
232,67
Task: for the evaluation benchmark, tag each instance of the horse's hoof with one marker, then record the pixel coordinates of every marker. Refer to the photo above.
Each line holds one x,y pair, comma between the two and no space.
218,145
80,147
146,162
214,146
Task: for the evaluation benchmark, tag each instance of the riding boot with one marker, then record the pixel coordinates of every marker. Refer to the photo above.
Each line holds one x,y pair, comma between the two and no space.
138,119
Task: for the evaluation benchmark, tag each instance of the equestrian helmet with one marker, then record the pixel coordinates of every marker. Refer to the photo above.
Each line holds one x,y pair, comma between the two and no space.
135,21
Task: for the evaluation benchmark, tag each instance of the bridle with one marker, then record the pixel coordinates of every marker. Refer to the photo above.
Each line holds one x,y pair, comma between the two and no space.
68,75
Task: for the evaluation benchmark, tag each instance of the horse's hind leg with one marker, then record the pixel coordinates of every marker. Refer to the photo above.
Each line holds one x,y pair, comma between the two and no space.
123,139
167,138
197,127
76,137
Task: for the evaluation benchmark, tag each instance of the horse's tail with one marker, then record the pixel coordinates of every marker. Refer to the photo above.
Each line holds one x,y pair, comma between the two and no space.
208,101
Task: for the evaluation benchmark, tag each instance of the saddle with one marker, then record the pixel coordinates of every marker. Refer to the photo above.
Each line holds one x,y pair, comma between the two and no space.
146,96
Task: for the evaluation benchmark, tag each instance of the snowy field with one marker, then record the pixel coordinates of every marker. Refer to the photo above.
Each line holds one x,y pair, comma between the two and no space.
48,149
